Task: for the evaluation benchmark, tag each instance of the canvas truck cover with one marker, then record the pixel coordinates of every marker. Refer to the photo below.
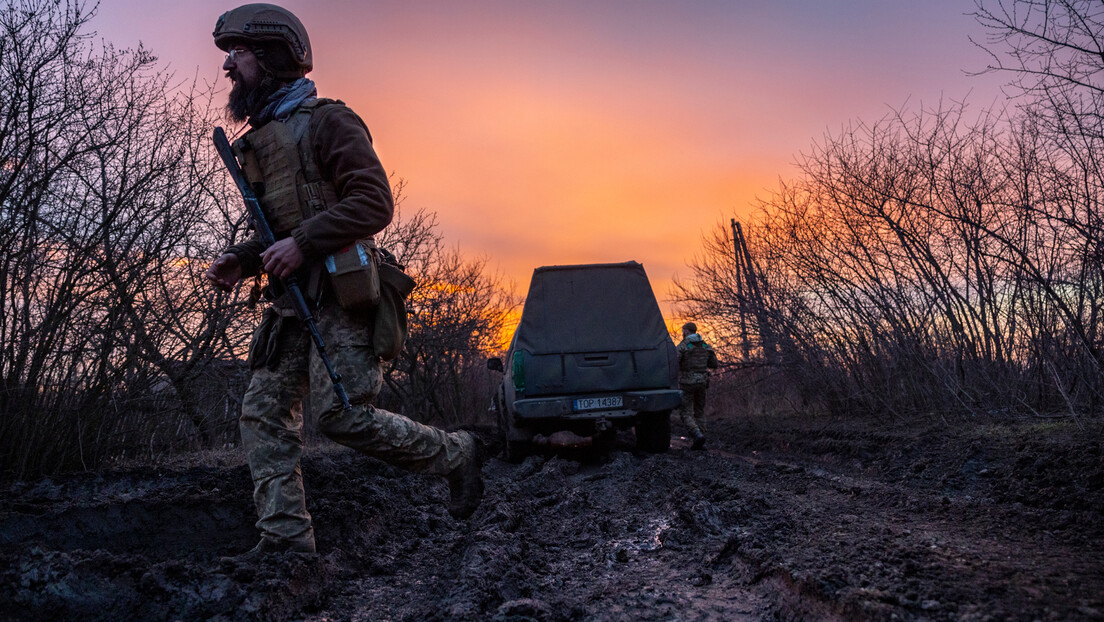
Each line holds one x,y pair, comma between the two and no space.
592,328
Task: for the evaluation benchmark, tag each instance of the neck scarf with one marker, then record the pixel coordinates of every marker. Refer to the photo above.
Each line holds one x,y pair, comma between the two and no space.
284,101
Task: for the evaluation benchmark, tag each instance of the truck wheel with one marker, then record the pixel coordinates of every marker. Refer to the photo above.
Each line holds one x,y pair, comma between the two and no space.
512,451
653,432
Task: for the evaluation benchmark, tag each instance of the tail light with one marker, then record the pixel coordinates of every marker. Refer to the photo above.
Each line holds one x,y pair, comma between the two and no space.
518,364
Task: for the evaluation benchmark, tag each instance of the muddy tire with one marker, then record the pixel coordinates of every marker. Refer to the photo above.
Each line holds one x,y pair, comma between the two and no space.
653,432
512,450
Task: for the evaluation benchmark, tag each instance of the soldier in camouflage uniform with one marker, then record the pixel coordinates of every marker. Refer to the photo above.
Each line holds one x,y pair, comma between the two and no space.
268,55
696,358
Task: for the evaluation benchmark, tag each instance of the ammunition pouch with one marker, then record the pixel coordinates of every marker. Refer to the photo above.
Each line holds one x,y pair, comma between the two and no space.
389,327
696,359
264,349
355,276
278,161
270,160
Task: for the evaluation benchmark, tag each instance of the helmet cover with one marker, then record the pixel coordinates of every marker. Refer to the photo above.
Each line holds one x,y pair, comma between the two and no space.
260,23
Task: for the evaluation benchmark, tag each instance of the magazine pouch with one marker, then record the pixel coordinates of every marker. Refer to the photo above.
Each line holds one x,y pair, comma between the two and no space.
354,277
389,326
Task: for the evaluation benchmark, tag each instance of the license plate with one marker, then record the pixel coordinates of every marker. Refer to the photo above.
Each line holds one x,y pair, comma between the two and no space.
595,403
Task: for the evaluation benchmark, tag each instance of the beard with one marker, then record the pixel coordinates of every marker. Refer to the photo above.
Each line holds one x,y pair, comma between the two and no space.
245,100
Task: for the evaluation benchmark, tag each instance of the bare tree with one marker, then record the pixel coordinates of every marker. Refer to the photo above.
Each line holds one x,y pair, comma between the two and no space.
929,264
112,202
926,264
1054,51
458,315
108,206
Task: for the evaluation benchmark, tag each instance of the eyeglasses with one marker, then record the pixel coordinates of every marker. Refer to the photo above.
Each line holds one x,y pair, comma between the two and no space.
233,53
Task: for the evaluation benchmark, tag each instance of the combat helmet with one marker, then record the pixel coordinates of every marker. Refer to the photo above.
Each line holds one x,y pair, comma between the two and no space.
263,24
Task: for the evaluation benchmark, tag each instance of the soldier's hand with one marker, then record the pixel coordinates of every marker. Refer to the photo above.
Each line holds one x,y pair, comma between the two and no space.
282,258
225,272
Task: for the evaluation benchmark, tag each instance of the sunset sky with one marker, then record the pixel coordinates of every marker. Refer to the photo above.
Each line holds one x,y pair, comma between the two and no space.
593,131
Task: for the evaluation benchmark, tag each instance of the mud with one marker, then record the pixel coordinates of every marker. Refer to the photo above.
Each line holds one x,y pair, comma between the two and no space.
785,519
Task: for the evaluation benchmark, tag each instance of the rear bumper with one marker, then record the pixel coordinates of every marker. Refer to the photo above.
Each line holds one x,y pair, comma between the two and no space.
561,407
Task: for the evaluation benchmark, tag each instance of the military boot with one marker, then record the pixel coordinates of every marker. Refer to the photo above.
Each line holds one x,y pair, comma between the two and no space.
699,440
466,481
270,546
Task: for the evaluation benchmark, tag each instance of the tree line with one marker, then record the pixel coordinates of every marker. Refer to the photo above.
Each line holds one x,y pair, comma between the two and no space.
112,204
937,261
933,262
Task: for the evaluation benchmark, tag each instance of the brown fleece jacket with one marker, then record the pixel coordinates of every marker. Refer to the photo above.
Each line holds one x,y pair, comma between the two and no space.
345,157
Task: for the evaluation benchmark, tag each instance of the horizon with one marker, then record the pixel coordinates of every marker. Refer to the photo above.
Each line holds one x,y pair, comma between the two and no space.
582,132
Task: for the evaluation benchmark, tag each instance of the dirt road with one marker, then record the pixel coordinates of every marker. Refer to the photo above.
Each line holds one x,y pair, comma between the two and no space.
777,519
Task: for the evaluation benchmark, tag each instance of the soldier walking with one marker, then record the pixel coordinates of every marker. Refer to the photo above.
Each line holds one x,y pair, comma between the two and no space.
696,358
322,189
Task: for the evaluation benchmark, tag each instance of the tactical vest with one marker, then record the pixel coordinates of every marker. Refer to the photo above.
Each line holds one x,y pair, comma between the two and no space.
278,160
696,359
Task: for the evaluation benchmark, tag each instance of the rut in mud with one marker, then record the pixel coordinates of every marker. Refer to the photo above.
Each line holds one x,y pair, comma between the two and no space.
776,520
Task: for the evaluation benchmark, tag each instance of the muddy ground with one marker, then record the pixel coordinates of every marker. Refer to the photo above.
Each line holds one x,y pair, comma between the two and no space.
780,518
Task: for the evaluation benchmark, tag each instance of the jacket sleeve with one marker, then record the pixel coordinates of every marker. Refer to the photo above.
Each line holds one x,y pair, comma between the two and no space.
712,362
345,157
249,255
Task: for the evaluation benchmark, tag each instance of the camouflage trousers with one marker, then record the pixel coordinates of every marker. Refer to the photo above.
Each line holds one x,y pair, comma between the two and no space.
272,425
692,411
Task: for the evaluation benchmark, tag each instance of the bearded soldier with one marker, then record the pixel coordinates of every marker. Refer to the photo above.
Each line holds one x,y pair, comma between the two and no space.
696,358
323,191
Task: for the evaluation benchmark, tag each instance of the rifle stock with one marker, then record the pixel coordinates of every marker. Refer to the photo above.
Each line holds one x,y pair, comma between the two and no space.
290,284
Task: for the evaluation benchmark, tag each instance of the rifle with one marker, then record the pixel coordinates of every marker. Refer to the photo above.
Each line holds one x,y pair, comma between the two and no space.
290,284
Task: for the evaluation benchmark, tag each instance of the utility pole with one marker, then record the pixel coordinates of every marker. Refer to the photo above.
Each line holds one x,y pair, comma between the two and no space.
746,278
741,300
